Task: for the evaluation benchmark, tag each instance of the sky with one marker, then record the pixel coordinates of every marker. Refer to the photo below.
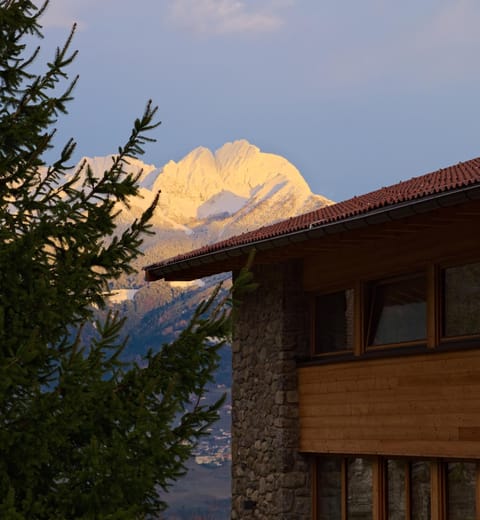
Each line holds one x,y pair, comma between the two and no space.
357,95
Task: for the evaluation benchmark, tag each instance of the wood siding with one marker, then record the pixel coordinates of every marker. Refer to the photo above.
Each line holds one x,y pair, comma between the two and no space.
426,405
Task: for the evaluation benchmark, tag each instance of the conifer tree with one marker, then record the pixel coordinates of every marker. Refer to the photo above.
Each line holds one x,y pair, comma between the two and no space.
82,434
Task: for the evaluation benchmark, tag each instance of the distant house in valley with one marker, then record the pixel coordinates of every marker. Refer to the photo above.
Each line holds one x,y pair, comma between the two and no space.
356,363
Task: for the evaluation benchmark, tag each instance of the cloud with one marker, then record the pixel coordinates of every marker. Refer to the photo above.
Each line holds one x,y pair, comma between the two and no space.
58,17
63,14
222,16
437,46
454,25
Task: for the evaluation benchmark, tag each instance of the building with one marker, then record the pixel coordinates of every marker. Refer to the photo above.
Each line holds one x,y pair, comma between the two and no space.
356,364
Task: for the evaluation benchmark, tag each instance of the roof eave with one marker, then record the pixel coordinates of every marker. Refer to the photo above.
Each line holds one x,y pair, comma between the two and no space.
317,230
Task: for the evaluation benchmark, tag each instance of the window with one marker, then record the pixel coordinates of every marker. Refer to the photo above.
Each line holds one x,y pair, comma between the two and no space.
359,489
461,481
419,490
347,488
329,488
333,322
397,489
402,488
344,488
397,312
439,305
461,300
408,489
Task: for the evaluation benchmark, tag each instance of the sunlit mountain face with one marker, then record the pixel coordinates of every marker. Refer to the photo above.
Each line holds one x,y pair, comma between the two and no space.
237,185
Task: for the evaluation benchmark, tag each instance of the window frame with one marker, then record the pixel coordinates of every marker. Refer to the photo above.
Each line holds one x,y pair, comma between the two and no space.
435,297
369,304
439,507
344,459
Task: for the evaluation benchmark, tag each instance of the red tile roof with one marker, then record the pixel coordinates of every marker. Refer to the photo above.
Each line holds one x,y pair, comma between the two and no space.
452,178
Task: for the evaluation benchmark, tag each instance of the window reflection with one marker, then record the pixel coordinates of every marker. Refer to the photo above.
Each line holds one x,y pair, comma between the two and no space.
397,492
329,488
334,322
398,310
462,300
345,488
420,490
344,485
359,489
461,481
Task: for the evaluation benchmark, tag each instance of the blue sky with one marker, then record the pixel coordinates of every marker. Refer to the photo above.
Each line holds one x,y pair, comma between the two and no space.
357,95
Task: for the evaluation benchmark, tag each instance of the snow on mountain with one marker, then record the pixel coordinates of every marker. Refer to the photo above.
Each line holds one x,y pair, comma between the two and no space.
208,196
223,203
121,295
203,184
100,164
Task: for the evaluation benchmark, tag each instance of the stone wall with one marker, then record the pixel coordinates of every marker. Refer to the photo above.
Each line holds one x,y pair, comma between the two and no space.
270,479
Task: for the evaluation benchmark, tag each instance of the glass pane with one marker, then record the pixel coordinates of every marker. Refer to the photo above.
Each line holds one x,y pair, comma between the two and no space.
359,489
334,322
420,490
398,311
461,482
462,300
396,499
329,488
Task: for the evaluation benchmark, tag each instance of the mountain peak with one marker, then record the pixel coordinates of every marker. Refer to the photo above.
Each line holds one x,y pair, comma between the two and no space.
198,154
222,193
235,148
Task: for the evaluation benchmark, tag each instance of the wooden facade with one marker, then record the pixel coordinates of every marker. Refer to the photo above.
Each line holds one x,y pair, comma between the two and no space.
392,400
406,401
424,405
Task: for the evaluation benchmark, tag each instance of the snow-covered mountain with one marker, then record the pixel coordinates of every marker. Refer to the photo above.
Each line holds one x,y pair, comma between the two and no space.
208,196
